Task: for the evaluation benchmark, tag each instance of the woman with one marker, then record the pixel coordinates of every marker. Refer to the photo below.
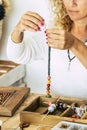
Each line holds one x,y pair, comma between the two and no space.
72,16
67,41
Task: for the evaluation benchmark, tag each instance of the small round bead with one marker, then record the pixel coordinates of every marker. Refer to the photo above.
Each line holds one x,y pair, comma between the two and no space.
48,85
48,89
48,96
48,82
51,108
49,77
47,92
53,105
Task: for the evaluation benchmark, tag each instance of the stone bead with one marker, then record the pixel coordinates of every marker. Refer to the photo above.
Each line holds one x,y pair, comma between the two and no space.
49,77
48,82
48,89
48,92
51,108
48,85
48,96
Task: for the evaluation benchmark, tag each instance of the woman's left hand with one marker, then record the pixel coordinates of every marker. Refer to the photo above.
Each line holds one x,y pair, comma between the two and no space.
59,39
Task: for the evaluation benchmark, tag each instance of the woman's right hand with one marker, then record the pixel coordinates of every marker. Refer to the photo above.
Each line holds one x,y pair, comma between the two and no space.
30,21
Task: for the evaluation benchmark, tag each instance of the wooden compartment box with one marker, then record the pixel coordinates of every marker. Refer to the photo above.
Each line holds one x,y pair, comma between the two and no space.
11,98
36,111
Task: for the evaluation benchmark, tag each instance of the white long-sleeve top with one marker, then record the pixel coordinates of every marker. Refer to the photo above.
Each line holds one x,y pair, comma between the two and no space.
65,82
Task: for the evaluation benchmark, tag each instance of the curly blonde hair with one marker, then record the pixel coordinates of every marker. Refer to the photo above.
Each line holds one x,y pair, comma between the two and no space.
61,17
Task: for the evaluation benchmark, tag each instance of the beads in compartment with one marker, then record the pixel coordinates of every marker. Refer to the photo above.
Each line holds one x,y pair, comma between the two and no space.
4,96
79,111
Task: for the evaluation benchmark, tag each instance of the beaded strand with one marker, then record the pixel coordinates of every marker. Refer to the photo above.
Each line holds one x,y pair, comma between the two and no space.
48,95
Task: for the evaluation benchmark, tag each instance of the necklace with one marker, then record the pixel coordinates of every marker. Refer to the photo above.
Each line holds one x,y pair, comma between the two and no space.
71,58
48,95
49,77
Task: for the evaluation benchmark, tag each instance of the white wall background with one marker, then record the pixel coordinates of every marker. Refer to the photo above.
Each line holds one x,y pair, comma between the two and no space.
35,70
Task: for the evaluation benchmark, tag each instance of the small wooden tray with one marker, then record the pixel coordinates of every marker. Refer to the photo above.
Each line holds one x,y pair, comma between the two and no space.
36,112
12,99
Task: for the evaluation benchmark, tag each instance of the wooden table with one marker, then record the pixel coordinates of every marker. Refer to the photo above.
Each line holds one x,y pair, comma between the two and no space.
12,123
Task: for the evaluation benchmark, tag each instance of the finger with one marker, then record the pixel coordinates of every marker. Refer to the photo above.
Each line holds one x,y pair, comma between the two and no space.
30,24
53,42
34,17
34,14
55,31
28,28
57,44
33,20
55,36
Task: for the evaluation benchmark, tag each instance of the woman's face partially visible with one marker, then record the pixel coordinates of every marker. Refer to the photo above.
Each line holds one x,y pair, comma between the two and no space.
76,9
